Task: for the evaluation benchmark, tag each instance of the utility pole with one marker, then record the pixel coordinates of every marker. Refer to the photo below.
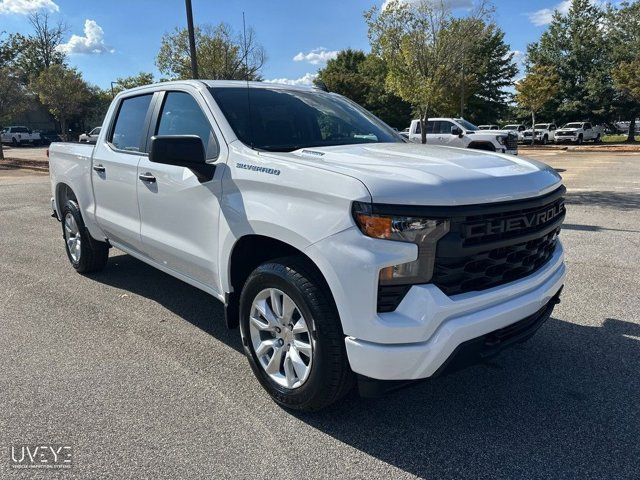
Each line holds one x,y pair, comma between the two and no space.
192,40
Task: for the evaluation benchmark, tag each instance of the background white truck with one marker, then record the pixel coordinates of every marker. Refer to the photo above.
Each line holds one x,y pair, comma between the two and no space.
457,132
20,135
341,250
518,128
578,132
545,133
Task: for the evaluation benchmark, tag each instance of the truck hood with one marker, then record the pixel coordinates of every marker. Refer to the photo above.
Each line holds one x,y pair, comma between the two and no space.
568,129
414,174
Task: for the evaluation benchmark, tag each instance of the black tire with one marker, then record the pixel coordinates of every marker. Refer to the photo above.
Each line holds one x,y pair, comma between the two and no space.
14,142
598,139
580,139
93,253
330,377
545,140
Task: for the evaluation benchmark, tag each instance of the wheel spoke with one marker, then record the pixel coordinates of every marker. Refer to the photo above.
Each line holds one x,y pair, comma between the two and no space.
289,371
300,326
263,307
276,302
261,325
276,361
298,365
302,347
288,308
264,347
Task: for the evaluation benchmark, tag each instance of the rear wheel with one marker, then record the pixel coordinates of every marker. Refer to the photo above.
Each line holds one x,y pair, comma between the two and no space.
292,335
84,252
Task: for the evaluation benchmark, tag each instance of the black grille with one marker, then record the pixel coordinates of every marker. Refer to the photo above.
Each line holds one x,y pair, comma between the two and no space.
494,267
390,296
512,142
489,249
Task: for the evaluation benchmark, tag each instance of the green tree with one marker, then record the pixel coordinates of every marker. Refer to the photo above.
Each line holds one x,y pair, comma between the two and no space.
139,80
221,53
13,97
63,91
39,50
423,47
624,34
577,46
361,77
536,90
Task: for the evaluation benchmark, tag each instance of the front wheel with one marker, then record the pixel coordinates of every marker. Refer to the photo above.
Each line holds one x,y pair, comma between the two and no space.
545,140
580,139
292,335
85,253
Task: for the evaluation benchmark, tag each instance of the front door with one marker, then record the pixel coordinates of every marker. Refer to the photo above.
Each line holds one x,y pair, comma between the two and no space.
178,213
115,172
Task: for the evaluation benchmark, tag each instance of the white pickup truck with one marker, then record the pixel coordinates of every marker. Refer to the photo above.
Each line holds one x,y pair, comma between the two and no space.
578,132
20,136
458,132
341,250
545,133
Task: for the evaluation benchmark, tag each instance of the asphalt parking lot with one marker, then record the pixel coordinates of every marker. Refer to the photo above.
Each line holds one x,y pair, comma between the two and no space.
136,371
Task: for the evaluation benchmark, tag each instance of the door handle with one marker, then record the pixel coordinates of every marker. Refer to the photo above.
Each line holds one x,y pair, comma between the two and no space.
147,177
99,168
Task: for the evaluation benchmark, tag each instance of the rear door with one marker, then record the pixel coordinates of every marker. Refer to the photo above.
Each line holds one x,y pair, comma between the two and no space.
179,213
115,171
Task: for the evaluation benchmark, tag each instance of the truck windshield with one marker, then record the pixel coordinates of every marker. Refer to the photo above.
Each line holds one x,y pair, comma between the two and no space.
284,120
510,127
542,126
573,125
468,126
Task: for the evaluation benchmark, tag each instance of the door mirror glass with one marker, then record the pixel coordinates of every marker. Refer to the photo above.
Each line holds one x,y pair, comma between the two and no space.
456,130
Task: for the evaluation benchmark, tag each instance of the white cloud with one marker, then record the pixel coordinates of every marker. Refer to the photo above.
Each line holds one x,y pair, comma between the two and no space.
25,7
545,15
306,79
453,4
316,56
92,42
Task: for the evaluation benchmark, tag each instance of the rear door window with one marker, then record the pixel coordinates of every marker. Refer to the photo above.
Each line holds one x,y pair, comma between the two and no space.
128,131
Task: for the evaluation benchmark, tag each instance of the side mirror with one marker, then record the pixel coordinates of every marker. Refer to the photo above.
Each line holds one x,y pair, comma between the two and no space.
456,131
182,151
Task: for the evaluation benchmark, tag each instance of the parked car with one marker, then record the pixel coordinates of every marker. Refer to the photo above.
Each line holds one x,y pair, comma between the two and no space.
342,251
518,128
488,127
578,132
545,133
458,132
50,137
90,137
20,135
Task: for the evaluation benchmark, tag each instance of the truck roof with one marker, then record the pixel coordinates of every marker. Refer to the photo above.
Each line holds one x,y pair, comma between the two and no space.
223,84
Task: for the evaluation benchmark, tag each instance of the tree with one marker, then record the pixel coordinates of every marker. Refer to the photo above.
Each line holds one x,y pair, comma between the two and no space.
63,91
496,70
577,46
624,32
139,80
536,90
221,54
361,77
39,51
415,40
13,97
626,78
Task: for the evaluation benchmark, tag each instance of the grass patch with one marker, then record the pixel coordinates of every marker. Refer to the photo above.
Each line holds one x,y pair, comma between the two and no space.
614,138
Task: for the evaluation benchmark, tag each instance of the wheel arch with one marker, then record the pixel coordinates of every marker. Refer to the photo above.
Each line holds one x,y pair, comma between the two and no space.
247,253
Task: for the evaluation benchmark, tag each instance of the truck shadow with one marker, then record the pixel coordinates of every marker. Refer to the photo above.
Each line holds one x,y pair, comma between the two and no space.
618,200
566,404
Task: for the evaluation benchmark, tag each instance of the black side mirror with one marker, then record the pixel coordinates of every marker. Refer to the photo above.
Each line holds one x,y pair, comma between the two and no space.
182,151
456,131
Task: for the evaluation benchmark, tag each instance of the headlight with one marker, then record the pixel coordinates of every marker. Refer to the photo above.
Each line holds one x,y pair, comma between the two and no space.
502,140
424,232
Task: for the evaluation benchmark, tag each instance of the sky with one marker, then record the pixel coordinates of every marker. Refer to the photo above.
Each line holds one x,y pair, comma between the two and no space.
115,38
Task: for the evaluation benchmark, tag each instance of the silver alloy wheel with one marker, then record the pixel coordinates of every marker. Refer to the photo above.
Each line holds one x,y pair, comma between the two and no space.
281,338
72,236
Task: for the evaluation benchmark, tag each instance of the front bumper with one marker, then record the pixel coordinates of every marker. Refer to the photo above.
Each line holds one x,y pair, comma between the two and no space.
566,139
453,321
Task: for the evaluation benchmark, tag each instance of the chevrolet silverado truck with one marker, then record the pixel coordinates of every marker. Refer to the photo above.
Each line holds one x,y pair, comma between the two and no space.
544,133
345,254
517,128
458,132
578,132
